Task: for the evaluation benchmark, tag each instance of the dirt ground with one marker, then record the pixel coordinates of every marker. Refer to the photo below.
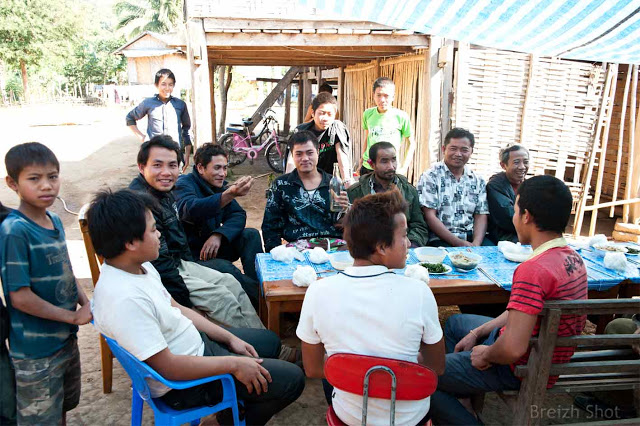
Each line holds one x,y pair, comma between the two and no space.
97,151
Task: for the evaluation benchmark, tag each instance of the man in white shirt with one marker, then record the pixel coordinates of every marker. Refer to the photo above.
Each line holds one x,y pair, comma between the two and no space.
131,305
369,310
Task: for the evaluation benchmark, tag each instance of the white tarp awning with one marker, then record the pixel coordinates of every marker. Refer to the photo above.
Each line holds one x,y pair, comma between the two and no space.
594,30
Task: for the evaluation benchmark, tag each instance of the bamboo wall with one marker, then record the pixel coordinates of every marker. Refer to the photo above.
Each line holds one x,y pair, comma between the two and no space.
547,104
407,72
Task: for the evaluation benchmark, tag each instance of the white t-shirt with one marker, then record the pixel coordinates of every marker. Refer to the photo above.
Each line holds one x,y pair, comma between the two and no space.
136,311
369,310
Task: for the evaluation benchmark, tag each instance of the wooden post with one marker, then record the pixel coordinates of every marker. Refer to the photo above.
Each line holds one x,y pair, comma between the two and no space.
287,110
301,110
460,83
318,72
377,68
634,137
433,92
200,82
447,89
603,150
307,93
533,59
623,113
341,92
212,93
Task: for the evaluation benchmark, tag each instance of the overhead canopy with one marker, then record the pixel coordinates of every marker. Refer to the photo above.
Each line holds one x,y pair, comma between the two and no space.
594,30
235,41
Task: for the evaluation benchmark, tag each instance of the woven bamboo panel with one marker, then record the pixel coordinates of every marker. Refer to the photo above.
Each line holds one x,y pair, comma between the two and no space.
407,72
558,99
357,97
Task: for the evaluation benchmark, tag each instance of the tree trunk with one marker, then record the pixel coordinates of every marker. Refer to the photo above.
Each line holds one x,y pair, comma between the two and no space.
25,82
224,89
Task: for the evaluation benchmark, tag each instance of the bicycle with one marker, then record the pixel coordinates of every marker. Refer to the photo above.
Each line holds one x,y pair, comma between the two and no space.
240,143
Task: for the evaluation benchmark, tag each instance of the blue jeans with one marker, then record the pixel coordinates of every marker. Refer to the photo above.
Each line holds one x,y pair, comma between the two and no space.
461,379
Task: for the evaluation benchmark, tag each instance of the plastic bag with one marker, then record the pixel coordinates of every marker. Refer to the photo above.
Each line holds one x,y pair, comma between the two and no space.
286,254
417,272
304,276
318,255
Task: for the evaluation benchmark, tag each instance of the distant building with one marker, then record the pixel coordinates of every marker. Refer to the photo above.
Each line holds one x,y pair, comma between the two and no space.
151,51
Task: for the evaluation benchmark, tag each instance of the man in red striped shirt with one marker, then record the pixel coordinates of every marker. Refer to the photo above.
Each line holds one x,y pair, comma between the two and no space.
482,352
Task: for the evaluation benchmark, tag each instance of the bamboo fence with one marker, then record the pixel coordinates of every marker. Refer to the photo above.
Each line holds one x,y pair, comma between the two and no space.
407,72
567,113
547,104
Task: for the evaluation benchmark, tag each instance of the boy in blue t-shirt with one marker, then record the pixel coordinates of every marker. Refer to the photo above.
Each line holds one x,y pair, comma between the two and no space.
40,290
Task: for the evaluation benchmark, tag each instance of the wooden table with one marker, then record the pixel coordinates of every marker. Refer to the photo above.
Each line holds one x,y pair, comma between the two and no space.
282,296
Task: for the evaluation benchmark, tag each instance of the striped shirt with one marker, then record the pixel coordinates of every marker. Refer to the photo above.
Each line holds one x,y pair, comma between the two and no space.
36,257
558,273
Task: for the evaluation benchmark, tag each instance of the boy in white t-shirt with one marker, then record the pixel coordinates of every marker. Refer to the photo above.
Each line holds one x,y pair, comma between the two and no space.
369,310
131,305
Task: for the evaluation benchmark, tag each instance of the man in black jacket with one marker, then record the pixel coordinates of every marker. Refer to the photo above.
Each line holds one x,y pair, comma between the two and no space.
332,135
501,192
212,218
298,203
220,296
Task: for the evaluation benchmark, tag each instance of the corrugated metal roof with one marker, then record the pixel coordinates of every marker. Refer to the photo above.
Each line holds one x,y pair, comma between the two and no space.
595,30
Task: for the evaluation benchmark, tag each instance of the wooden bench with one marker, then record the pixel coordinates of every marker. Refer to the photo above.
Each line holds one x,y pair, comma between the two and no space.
602,362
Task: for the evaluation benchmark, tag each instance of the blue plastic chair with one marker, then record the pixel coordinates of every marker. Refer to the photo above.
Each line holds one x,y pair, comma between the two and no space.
138,371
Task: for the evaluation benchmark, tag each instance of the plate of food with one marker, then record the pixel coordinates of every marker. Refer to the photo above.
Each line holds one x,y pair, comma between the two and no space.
465,261
604,248
633,250
436,268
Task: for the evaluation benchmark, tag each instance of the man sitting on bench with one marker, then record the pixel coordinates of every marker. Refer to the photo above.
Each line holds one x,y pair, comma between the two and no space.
482,352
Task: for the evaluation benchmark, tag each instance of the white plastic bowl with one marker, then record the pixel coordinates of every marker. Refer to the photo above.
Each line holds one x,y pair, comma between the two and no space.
464,260
430,254
341,260
604,248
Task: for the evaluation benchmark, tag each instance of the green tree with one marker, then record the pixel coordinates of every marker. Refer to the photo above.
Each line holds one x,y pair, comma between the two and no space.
33,30
148,15
93,60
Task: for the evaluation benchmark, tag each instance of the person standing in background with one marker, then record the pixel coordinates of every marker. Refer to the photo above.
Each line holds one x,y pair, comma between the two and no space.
166,115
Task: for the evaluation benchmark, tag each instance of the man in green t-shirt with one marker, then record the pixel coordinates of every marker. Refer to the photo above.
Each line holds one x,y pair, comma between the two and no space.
386,123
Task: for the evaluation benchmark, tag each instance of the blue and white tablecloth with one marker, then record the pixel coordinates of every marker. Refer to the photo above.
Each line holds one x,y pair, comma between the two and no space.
493,267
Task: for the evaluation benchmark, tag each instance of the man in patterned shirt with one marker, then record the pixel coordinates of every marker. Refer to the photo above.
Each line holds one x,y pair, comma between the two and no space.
482,352
453,197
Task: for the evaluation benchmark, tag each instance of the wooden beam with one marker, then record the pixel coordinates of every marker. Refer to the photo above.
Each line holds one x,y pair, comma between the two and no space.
307,40
433,81
308,95
287,111
603,152
275,94
623,113
460,83
633,179
528,96
447,89
200,83
269,61
586,184
341,100
212,73
284,23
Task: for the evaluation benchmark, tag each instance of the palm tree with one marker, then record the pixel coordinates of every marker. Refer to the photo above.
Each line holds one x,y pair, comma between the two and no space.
148,15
